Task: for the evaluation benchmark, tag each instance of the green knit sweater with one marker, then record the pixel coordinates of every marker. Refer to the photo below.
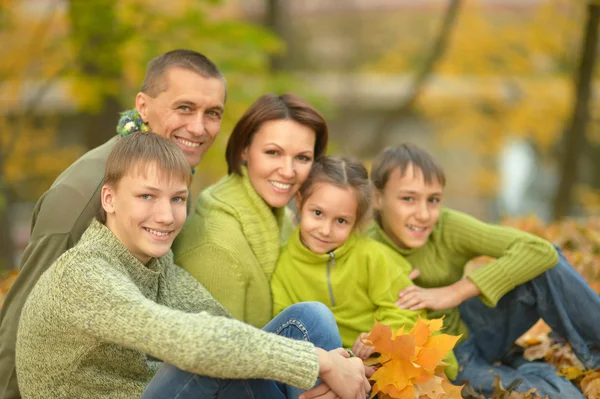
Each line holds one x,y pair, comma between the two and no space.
94,317
231,243
456,239
357,282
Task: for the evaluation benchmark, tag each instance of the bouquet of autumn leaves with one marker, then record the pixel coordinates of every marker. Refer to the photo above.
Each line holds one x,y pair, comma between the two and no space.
410,364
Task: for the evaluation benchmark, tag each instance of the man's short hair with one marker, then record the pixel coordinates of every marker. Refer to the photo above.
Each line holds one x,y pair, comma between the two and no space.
191,60
137,151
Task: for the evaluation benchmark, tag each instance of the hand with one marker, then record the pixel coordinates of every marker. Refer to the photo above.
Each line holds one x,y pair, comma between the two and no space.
321,391
417,298
369,371
343,375
414,274
360,349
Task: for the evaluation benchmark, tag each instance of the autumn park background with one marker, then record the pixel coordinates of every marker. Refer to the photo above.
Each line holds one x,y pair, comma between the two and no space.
504,93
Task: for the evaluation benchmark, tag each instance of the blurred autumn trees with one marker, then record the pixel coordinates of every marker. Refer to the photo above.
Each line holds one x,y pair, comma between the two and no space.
478,74
517,78
71,66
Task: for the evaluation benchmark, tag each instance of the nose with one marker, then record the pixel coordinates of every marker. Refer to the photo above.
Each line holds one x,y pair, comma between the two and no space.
163,213
423,212
325,229
196,126
287,169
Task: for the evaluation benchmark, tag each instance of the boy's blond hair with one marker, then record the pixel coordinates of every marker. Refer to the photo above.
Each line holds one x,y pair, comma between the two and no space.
136,152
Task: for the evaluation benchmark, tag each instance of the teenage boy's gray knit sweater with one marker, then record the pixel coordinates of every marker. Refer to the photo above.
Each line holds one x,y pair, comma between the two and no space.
95,315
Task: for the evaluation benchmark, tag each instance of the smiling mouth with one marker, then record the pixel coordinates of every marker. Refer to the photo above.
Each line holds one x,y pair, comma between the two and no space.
158,233
188,143
280,186
415,228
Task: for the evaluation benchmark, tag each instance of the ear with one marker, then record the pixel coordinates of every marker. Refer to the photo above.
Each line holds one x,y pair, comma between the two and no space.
245,154
141,105
107,197
299,202
377,200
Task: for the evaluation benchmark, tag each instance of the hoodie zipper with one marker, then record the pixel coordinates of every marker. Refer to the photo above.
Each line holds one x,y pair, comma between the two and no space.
330,265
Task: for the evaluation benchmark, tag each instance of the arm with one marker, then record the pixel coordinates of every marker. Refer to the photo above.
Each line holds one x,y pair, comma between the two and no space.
520,256
220,272
105,304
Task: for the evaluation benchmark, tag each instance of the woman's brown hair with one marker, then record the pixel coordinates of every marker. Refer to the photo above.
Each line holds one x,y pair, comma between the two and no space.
272,107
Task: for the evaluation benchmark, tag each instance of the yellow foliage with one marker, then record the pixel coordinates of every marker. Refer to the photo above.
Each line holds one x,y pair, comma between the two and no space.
411,363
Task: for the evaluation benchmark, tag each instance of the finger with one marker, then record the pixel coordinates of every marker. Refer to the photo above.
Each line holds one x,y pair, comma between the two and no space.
341,351
316,392
370,351
410,300
414,274
408,290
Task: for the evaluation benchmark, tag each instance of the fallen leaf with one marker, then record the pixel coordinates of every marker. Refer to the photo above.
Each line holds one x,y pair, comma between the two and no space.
590,385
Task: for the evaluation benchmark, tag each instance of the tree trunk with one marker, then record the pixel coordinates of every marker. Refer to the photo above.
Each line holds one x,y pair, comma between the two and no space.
574,137
402,109
274,22
7,248
97,36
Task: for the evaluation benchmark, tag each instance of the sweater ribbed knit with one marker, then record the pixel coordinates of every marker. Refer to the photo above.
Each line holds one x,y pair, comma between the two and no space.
458,238
231,243
94,317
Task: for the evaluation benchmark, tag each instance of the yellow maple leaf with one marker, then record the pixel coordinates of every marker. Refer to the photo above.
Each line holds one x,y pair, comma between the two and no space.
411,364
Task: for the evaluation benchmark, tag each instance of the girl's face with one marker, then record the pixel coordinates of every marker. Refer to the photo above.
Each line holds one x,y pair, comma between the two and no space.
328,217
279,159
408,207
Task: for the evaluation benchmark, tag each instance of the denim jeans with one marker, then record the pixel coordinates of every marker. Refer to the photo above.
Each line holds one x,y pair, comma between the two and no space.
567,304
307,321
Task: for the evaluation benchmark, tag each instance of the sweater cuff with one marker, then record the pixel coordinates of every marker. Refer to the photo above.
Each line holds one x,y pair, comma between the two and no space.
298,363
492,283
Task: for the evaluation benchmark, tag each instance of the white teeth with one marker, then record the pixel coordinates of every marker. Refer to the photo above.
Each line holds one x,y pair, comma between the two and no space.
280,186
414,228
158,233
188,143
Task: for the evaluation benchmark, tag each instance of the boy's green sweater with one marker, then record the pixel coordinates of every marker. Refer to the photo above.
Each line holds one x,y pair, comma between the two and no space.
230,243
458,238
98,319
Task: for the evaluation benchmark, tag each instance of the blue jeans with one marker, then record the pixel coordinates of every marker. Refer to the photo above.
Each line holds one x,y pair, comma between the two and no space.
307,321
567,304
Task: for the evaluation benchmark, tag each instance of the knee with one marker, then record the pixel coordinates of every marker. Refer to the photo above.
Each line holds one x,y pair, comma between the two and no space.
312,311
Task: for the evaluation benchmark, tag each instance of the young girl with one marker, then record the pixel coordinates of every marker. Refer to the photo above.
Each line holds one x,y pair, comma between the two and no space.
494,304
325,260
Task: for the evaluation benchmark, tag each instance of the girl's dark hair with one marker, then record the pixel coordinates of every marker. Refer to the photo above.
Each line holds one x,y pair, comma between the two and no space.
342,172
272,107
400,157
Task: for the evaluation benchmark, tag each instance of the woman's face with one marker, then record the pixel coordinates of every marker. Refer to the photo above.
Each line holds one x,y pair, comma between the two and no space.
279,159
409,208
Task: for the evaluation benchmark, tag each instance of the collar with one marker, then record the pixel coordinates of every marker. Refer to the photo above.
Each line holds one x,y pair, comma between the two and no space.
304,255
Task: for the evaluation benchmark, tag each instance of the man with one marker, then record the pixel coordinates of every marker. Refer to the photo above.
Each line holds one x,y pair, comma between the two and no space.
182,98
95,314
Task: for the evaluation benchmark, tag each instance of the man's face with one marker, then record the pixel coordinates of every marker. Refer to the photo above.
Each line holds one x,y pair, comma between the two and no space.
189,111
146,211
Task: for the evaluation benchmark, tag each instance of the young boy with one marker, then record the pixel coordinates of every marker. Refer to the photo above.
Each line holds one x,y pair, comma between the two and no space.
99,319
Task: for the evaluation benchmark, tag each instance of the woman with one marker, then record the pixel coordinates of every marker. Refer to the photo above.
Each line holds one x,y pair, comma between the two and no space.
528,279
231,241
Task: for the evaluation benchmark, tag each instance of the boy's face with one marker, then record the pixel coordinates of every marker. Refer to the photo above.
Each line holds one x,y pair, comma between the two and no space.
146,211
409,207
